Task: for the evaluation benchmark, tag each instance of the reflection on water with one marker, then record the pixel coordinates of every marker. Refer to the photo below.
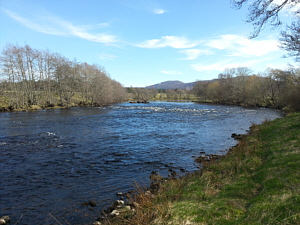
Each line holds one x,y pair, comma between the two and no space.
54,160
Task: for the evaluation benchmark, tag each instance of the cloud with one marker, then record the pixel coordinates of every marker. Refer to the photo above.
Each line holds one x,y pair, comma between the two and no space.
60,27
34,26
194,53
220,66
172,72
228,63
96,26
167,41
159,11
242,46
105,56
232,45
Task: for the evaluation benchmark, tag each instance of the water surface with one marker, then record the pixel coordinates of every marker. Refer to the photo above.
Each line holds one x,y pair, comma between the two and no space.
54,160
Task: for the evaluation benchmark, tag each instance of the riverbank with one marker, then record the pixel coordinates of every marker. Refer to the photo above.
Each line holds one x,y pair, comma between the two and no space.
257,182
40,107
5,106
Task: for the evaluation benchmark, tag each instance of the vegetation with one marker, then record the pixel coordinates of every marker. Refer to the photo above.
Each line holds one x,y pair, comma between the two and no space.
32,78
159,94
274,88
264,12
255,183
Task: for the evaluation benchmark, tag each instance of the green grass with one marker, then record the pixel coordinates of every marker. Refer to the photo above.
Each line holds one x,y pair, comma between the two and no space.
258,182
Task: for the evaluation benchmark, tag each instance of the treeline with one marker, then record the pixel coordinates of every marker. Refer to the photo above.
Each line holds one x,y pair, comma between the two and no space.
274,88
141,94
39,77
158,94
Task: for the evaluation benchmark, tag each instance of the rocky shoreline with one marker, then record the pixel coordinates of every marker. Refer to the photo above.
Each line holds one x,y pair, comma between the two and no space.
126,202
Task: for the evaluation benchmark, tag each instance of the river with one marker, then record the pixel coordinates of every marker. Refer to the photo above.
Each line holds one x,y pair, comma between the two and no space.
54,160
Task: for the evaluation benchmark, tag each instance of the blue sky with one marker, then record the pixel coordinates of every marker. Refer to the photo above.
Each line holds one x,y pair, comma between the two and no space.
143,42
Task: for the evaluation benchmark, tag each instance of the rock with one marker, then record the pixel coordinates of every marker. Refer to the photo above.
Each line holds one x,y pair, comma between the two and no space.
143,101
119,194
101,218
118,204
89,203
237,136
4,220
155,176
85,204
173,174
114,213
92,203
97,223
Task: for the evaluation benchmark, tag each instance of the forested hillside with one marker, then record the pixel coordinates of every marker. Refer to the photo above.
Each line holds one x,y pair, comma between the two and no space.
31,77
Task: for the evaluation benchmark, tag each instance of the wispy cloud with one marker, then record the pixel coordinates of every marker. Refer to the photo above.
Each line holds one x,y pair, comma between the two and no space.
172,72
228,63
96,26
241,46
105,56
159,11
167,41
59,27
194,53
219,66
231,45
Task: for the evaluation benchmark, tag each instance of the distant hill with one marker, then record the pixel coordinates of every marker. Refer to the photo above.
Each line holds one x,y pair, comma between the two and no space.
172,85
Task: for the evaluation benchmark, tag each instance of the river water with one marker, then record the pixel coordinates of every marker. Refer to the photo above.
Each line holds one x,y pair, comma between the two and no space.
54,160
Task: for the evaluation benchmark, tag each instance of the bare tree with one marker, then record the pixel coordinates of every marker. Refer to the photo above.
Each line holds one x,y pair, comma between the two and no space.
33,77
290,40
263,12
292,97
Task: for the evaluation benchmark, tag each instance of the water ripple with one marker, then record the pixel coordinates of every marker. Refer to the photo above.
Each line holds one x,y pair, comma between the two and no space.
53,160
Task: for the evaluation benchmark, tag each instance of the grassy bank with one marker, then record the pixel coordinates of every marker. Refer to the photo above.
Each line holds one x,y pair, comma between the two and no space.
74,102
258,182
